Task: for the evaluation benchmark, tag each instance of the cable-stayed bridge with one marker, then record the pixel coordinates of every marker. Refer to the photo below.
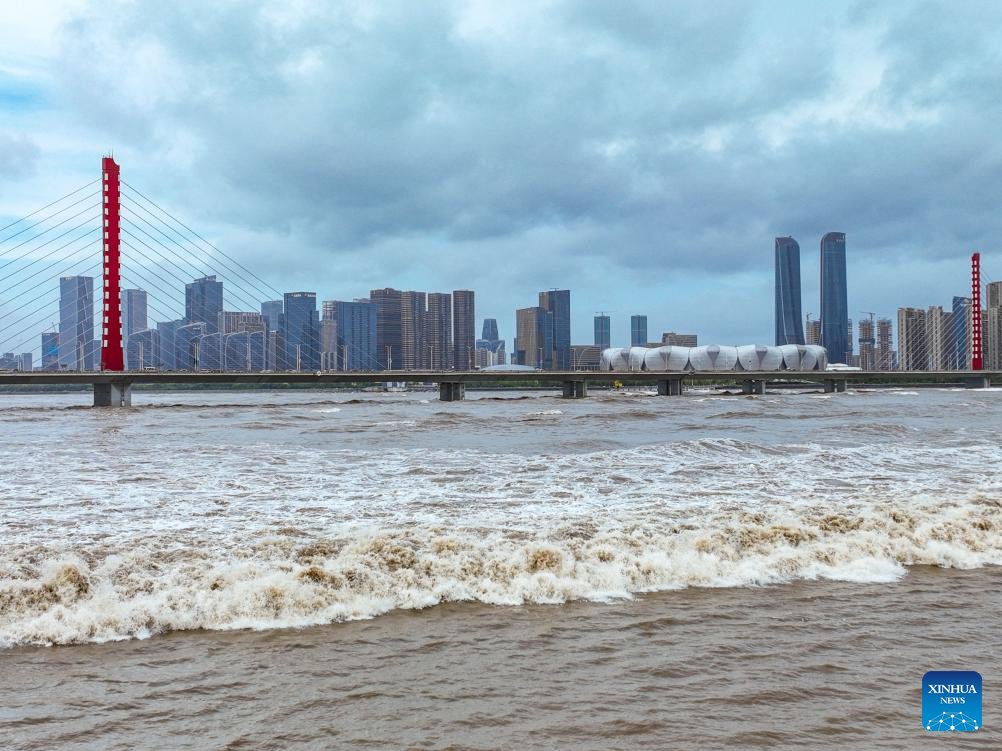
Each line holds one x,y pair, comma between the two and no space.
217,321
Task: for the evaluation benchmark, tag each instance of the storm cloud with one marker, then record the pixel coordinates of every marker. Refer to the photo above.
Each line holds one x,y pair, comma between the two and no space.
642,154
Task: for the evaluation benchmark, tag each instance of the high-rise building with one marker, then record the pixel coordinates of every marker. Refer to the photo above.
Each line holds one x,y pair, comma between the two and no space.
133,318
438,330
389,350
464,329
679,340
812,331
167,331
585,357
50,350
271,311
992,337
490,347
209,352
913,351
603,333
885,356
274,351
203,302
991,321
328,336
993,298
274,342
232,321
25,362
356,325
936,328
557,303
489,352
301,331
867,345
414,351
187,346
789,326
834,299
848,344
94,353
959,338
76,323
533,336
244,351
638,331
242,344
143,349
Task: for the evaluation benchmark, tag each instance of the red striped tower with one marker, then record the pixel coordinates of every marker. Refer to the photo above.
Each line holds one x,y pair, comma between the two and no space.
112,357
977,360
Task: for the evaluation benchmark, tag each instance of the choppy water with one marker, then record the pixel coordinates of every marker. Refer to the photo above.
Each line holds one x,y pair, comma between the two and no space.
547,527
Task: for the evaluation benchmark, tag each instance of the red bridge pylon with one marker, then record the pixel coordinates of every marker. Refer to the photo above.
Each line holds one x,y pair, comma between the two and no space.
977,359
112,357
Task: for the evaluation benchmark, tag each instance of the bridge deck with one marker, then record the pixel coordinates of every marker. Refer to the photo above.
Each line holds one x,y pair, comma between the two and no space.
477,376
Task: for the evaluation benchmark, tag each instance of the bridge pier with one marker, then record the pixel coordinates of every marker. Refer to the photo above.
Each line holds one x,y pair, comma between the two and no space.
451,391
575,389
753,386
671,387
833,385
977,382
112,394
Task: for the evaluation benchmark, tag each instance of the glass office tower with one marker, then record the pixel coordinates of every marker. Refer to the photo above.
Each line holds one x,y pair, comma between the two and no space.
834,298
203,302
638,331
789,319
76,323
301,331
557,302
602,332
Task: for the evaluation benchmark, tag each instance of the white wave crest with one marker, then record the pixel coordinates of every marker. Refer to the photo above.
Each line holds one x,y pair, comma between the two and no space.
285,579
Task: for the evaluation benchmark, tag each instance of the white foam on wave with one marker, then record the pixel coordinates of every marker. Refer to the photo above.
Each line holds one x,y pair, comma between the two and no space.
65,596
328,411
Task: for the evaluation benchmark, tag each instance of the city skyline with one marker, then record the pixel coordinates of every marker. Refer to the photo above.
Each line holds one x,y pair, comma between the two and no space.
948,332
444,343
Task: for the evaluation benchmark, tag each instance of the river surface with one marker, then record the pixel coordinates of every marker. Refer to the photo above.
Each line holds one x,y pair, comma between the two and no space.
323,569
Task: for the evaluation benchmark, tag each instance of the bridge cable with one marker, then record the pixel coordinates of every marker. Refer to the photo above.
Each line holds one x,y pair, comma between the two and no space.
46,315
38,247
254,290
168,292
7,300
240,298
37,211
160,208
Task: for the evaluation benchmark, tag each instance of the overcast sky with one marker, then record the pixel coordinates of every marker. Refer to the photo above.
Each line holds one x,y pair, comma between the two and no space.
642,154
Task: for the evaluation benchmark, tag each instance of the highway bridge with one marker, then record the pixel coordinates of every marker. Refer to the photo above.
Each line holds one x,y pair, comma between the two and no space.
114,389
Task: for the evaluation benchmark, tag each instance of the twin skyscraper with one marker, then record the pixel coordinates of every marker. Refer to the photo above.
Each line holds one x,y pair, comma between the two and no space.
833,332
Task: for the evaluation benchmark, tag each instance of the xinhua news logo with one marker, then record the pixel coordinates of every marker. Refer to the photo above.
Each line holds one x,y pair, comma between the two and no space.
951,700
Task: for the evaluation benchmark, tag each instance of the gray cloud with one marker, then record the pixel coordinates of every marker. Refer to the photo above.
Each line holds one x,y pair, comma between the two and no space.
595,145
18,157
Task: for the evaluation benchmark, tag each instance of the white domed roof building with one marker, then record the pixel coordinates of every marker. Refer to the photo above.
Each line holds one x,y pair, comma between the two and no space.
760,357
715,358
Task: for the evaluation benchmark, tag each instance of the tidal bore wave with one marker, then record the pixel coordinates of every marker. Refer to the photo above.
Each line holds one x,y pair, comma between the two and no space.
284,579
